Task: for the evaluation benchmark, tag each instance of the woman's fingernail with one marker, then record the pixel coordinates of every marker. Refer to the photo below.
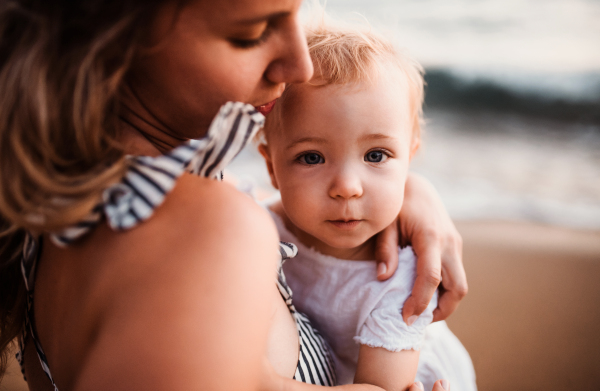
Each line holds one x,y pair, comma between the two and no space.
420,385
445,385
412,320
381,269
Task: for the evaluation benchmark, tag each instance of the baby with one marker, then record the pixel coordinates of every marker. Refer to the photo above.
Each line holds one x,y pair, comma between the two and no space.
338,149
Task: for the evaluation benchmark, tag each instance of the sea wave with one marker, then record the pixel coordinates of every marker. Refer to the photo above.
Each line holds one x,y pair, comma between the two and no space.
570,97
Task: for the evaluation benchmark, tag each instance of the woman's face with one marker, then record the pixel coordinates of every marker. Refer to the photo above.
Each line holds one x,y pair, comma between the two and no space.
208,52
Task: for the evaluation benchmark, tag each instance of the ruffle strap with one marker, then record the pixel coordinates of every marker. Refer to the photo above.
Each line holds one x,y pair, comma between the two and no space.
149,179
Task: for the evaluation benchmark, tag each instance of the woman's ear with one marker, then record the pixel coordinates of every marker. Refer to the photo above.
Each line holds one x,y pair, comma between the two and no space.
266,154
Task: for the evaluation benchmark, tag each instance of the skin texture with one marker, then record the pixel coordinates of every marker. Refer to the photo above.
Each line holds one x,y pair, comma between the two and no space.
340,160
193,65
392,371
200,57
129,310
438,246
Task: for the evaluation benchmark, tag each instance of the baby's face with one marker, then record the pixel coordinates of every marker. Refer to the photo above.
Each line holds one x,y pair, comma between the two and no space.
341,161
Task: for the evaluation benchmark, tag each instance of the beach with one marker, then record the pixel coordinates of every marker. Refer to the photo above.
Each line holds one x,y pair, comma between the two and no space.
530,320
511,142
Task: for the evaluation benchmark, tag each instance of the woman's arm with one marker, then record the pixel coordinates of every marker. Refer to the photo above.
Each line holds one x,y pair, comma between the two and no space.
425,224
191,308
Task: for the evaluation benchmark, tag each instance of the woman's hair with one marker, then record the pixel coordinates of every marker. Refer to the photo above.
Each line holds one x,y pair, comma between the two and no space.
62,63
347,54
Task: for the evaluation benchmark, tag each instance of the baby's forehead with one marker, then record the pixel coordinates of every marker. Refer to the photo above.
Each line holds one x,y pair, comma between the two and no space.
383,82
384,99
374,107
386,90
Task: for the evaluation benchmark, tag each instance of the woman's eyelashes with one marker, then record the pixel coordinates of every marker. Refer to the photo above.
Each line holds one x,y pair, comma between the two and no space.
310,158
242,43
376,156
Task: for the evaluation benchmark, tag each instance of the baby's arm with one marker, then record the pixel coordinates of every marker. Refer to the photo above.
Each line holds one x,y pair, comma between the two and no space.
272,381
389,370
389,354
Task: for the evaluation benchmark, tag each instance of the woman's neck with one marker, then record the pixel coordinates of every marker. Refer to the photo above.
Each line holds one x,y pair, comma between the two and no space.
140,131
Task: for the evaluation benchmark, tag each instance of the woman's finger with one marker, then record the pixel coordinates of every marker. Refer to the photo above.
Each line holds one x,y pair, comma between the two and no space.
386,252
425,223
454,283
428,277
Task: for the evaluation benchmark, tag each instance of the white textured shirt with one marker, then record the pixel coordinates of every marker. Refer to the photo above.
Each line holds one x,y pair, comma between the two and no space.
349,306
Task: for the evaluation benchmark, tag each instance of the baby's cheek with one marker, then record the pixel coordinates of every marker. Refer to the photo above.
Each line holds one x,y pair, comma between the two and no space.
300,204
386,202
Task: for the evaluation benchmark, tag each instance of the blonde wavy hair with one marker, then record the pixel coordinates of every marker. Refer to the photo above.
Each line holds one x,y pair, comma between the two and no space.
62,63
345,53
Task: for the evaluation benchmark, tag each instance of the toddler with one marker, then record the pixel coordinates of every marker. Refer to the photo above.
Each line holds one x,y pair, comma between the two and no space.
338,149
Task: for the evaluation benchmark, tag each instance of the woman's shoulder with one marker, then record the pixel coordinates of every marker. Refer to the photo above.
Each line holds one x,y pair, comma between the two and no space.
208,252
205,203
198,217
205,233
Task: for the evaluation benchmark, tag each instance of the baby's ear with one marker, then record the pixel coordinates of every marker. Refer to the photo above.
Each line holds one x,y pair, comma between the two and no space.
415,143
266,154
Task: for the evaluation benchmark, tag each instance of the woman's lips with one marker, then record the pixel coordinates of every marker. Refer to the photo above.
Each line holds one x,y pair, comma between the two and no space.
345,224
266,108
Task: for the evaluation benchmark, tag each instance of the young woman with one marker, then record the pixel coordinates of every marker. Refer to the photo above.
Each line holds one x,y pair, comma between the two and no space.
146,277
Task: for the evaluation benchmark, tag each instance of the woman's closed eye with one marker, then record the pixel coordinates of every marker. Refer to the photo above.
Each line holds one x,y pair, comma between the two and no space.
310,158
245,43
376,156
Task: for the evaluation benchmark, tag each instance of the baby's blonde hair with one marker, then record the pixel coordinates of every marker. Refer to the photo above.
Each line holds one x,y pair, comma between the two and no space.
344,55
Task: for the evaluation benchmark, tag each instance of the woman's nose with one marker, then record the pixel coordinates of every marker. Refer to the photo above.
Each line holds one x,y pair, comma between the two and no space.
346,185
293,65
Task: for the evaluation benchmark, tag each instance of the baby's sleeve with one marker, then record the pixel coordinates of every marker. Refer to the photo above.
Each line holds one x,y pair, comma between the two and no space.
383,326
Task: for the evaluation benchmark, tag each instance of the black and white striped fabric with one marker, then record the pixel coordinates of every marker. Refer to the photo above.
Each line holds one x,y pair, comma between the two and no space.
315,363
143,188
149,179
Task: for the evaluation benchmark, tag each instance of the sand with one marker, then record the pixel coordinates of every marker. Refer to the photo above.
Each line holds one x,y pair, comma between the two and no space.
531,320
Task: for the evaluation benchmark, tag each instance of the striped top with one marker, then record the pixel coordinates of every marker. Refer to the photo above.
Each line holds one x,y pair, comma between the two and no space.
315,362
144,187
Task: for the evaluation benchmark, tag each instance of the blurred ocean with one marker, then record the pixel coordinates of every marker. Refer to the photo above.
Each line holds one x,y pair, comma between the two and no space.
512,105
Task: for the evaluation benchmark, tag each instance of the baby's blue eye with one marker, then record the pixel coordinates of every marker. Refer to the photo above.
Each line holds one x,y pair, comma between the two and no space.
312,158
375,157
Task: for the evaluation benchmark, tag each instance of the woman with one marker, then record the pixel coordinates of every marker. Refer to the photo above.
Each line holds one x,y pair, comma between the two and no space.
168,287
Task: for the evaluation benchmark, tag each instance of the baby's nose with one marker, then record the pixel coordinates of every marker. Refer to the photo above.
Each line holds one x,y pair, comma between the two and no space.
346,185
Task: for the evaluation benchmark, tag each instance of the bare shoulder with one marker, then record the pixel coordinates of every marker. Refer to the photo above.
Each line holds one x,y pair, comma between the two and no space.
200,216
206,204
189,297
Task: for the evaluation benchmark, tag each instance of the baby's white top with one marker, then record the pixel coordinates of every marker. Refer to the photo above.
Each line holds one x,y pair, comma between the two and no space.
349,306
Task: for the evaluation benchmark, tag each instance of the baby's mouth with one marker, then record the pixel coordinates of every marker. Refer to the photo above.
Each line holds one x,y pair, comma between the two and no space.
345,224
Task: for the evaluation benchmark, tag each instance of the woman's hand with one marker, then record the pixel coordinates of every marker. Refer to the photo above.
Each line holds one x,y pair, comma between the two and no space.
425,224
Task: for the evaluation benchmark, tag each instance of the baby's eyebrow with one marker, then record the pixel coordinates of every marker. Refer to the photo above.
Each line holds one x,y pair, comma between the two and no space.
376,136
319,140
